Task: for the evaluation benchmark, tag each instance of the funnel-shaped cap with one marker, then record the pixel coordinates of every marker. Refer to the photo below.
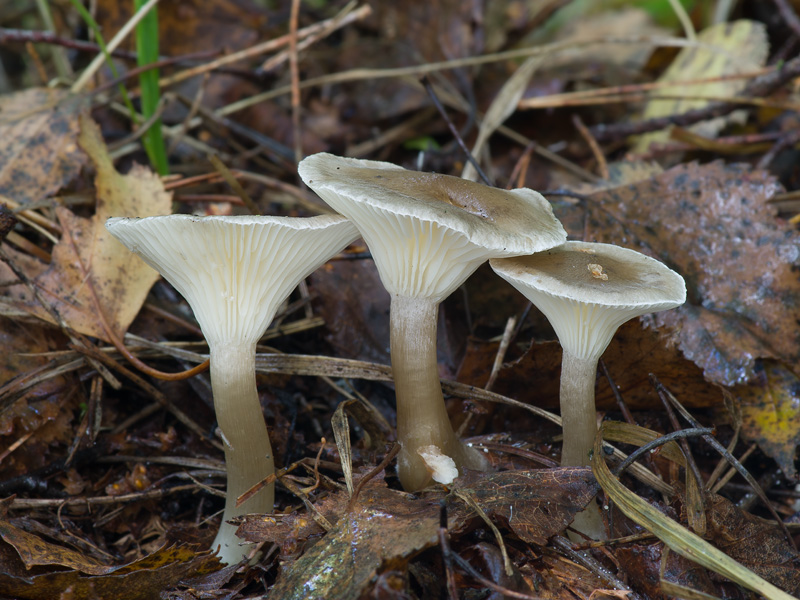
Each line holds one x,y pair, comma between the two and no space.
234,271
429,232
587,290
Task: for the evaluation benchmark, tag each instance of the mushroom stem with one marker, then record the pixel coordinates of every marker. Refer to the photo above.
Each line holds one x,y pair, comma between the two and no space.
577,409
579,426
248,453
422,418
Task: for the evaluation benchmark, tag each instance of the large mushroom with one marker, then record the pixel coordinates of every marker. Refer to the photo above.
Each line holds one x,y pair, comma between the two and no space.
427,234
235,272
586,291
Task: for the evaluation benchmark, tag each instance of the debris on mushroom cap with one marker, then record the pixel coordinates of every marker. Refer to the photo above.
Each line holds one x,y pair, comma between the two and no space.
442,468
509,222
597,271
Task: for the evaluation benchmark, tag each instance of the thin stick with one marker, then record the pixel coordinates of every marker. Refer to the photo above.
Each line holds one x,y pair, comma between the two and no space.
587,136
295,76
98,60
429,88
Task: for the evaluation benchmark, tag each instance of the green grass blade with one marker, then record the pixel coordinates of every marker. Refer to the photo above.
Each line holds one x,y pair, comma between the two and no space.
147,51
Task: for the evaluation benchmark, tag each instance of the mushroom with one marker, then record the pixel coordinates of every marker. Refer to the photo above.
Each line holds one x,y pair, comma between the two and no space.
586,291
235,272
427,234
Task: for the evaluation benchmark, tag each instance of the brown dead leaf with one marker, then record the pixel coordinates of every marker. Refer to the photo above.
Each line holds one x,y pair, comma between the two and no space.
39,153
383,525
770,408
713,225
86,578
88,261
633,354
537,504
755,543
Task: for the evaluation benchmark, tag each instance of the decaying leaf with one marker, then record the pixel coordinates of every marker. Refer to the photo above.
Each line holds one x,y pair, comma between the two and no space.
90,269
382,525
757,544
726,49
39,153
770,408
33,577
633,354
712,223
537,504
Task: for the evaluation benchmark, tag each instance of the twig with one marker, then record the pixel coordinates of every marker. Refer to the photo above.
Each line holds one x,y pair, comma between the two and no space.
587,136
789,15
760,86
268,46
447,554
89,71
679,435
101,357
294,72
714,443
585,560
27,504
231,180
394,451
429,88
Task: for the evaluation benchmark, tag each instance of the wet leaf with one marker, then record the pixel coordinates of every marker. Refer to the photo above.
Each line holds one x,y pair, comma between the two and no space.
736,47
537,504
755,543
712,223
39,153
383,525
85,578
88,261
770,407
633,354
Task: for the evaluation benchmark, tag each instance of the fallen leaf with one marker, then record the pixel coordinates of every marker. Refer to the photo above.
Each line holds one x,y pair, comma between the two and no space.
537,504
39,153
770,408
90,269
713,224
634,353
86,578
383,525
726,49
757,544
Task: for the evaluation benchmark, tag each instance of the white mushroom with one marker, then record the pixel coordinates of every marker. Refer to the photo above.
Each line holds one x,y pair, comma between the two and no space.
427,233
235,272
586,291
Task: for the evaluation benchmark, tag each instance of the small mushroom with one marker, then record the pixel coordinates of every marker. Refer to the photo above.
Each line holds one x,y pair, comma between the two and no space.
235,272
586,291
427,233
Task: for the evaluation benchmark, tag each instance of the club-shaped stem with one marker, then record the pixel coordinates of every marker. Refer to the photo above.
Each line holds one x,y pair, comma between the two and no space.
422,418
248,453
